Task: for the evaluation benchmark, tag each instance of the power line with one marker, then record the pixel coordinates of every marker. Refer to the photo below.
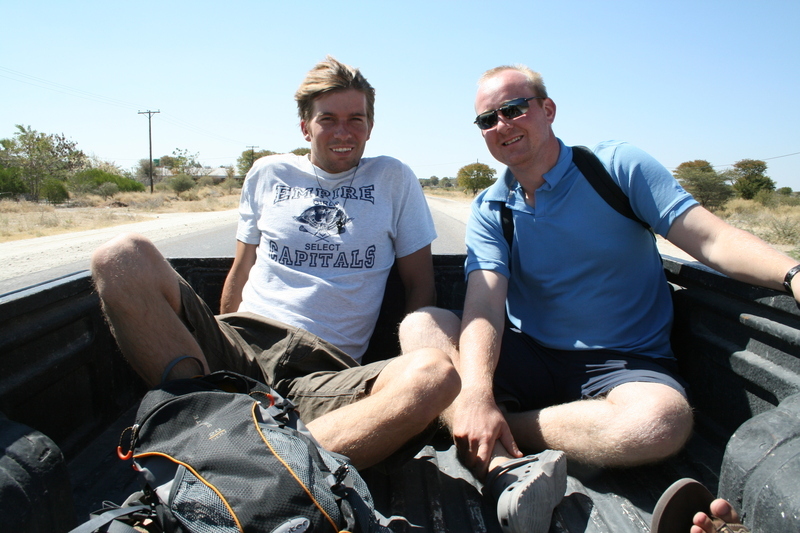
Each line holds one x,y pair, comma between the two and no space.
79,93
63,89
763,159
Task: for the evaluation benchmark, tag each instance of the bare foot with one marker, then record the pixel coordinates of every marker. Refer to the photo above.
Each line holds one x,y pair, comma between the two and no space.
719,508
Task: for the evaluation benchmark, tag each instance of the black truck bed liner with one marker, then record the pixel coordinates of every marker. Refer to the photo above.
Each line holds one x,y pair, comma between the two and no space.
738,346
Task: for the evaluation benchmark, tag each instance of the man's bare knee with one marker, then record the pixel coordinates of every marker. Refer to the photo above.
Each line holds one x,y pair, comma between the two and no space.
427,317
430,327
431,376
130,265
661,425
675,421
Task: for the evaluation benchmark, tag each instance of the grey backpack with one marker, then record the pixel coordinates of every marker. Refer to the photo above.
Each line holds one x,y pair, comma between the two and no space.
225,453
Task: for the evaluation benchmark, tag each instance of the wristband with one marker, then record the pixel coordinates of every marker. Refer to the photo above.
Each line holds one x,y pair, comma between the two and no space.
787,280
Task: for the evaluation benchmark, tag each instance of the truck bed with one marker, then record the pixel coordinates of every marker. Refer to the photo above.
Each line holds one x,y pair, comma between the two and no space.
61,375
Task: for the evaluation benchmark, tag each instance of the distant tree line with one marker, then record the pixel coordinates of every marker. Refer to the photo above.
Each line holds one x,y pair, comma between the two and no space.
48,166
746,179
248,157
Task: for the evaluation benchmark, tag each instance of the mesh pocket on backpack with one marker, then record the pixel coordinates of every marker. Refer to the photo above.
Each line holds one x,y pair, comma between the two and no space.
199,508
295,453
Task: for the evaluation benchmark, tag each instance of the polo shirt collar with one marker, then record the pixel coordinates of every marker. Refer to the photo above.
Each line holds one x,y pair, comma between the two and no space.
507,187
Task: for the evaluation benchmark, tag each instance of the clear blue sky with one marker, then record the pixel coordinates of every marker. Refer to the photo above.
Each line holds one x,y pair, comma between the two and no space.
684,80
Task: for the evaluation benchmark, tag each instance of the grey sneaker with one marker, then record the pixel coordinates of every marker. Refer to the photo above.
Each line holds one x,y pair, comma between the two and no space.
527,490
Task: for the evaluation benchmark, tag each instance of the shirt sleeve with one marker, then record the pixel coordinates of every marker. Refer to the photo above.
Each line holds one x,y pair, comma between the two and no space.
247,229
487,248
655,195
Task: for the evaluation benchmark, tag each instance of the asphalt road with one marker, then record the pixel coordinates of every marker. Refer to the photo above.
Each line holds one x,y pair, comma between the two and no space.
59,258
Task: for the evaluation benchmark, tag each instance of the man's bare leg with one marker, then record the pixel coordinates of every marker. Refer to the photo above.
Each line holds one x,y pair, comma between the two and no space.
141,299
439,328
636,423
525,489
409,394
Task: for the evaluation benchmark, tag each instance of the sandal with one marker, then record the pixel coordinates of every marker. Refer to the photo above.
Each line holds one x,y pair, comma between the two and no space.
527,490
678,505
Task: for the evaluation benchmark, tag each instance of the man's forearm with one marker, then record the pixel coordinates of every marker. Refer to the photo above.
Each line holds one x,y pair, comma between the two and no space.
231,296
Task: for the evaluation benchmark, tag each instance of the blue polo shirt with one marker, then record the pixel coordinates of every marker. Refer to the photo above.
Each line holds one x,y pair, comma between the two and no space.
583,276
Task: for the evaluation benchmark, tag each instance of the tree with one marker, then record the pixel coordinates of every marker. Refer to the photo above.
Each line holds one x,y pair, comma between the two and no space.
41,157
698,164
141,172
434,181
184,163
708,187
749,178
302,151
248,157
106,166
165,161
475,177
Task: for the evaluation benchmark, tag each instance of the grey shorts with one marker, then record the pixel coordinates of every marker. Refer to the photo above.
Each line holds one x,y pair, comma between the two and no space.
312,373
531,376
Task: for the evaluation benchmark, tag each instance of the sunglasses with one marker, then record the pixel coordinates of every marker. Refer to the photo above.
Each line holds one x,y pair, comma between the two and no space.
511,109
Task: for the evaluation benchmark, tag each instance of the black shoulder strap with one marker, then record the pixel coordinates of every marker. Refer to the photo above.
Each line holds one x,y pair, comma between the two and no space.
599,178
507,220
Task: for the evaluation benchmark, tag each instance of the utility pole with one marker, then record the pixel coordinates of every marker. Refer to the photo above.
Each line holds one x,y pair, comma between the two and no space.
252,155
150,136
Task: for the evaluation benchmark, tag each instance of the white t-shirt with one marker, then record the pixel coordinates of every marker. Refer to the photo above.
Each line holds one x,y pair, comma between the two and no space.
327,242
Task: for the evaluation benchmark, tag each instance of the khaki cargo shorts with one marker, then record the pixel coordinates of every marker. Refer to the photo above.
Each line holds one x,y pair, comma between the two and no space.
314,374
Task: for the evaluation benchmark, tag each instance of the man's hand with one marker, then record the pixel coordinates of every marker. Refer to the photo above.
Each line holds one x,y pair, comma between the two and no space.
477,426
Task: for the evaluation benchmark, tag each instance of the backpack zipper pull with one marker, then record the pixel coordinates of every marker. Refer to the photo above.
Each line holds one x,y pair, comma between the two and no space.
126,456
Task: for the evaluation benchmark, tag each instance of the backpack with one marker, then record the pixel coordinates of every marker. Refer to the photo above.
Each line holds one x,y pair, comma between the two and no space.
225,453
600,180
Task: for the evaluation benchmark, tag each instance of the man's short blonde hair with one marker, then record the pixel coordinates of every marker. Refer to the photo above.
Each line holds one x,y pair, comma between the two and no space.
534,78
328,76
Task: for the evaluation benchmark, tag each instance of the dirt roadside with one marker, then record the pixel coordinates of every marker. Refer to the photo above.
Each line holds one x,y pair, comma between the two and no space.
33,255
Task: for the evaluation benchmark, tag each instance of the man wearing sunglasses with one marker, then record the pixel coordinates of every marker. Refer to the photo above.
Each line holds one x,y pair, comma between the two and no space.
586,365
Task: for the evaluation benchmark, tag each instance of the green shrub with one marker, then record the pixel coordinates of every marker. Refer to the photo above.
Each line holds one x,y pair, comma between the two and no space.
766,198
181,183
229,184
108,190
54,191
205,181
90,181
10,182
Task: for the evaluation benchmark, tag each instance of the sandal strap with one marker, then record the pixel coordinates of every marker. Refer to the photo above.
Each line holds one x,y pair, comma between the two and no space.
724,527
498,471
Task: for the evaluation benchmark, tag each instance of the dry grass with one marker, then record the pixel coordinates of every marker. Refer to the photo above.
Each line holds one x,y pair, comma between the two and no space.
25,220
450,193
778,225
